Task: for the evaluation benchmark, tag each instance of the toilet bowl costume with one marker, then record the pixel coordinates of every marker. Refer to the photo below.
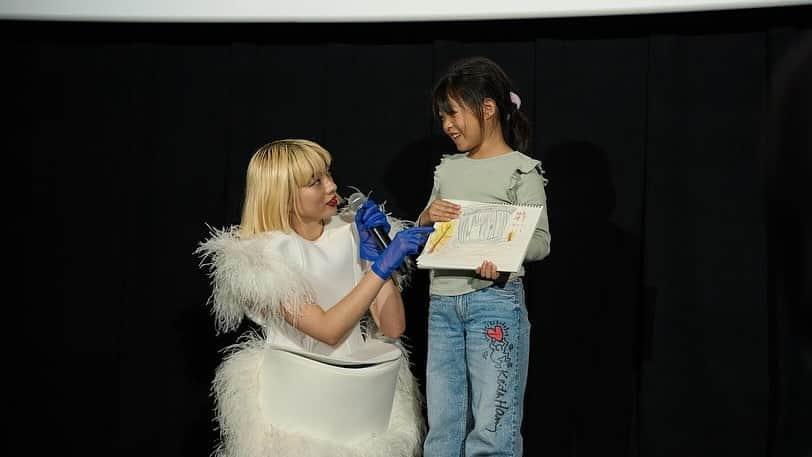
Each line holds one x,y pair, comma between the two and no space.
280,392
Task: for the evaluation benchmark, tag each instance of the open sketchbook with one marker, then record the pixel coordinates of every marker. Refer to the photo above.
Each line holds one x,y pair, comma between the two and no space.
498,232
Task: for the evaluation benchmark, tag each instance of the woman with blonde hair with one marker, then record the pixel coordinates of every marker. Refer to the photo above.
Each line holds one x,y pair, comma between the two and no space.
327,375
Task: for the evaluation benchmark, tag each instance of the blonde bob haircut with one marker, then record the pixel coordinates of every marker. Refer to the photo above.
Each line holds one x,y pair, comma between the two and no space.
275,173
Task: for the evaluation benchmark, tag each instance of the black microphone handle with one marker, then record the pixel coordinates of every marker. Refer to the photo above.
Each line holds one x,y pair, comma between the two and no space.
381,237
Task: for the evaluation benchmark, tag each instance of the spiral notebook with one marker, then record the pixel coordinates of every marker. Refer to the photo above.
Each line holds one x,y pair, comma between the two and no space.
498,232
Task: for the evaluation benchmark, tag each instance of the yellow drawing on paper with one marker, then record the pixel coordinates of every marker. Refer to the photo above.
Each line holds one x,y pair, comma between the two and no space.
443,232
516,224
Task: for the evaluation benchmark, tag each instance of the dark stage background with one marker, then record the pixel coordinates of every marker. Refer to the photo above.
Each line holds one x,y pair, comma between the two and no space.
652,330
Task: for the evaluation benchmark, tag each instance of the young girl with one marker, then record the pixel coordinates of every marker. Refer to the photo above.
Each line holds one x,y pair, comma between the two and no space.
294,266
475,400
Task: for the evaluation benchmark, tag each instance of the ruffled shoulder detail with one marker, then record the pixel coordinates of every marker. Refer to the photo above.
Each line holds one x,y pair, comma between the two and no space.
448,158
524,166
527,164
445,160
251,279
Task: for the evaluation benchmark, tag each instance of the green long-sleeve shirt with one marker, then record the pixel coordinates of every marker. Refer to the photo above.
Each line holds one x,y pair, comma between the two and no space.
509,178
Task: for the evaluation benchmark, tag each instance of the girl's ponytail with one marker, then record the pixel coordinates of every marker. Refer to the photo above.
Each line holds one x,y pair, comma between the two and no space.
517,130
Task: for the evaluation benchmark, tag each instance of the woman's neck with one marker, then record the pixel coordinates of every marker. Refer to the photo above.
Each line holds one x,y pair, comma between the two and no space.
309,230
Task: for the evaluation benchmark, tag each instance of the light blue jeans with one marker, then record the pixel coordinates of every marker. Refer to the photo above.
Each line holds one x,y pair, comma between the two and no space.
476,372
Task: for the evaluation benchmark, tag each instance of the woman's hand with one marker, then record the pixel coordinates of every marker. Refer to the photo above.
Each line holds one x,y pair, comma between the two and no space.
439,211
367,217
406,242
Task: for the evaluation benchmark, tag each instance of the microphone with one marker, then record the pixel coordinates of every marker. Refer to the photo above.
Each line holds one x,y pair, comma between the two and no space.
354,202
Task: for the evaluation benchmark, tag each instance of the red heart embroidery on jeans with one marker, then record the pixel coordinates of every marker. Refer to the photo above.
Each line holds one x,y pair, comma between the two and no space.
495,333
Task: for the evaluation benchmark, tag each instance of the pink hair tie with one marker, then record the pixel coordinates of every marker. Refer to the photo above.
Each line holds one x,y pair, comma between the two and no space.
515,99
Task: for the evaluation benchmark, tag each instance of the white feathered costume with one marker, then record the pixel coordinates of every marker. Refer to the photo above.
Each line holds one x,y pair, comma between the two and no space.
255,277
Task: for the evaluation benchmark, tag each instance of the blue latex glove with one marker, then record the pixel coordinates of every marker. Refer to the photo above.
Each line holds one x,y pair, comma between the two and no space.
368,216
407,242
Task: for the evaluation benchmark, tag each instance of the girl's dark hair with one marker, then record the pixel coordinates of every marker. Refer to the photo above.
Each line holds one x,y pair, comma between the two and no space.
471,81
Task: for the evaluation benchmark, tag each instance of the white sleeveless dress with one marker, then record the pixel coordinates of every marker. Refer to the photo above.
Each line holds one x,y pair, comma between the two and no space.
254,278
332,266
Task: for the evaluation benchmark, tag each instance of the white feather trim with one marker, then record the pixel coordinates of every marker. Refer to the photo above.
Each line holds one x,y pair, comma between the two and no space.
247,280
396,225
244,431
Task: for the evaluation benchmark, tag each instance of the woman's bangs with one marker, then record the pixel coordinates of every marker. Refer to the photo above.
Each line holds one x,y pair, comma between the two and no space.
307,165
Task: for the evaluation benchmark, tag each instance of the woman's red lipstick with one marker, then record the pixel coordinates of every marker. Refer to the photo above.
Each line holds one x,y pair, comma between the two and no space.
333,202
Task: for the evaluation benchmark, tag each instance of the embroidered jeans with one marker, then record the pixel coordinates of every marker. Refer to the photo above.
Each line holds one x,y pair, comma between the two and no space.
476,371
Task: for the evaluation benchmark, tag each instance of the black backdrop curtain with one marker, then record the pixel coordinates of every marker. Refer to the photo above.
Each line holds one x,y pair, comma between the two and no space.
651,326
